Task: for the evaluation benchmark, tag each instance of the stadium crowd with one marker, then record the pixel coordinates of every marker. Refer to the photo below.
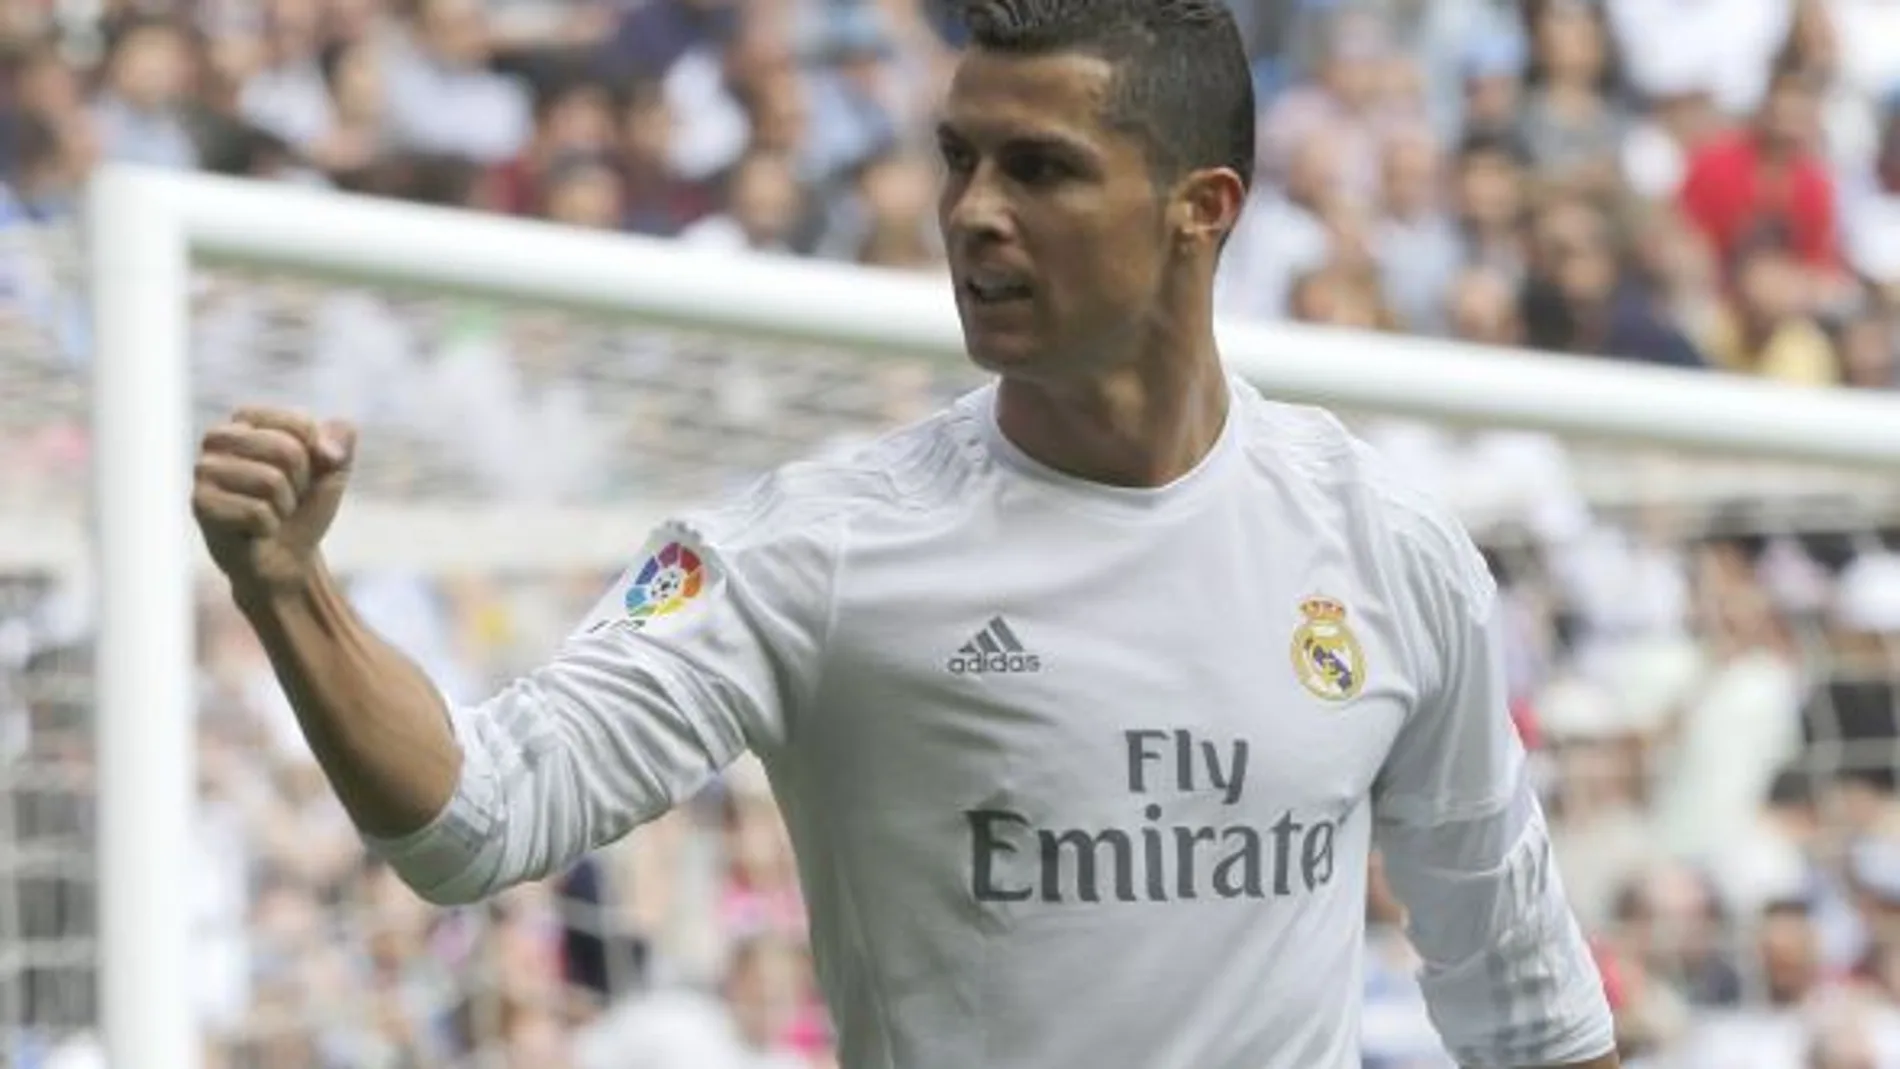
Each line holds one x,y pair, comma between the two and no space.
1709,693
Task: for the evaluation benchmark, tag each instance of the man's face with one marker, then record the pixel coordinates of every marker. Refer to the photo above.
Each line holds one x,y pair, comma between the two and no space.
1053,225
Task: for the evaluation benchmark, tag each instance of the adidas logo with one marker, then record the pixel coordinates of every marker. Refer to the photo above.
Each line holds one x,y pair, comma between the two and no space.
994,649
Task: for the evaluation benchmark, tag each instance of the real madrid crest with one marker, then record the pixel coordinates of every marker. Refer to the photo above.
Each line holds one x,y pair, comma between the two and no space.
1326,655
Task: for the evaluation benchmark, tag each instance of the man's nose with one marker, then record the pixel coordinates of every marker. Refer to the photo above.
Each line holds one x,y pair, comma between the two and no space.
978,212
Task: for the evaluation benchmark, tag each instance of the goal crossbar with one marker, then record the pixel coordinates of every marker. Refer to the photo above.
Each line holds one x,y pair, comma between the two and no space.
147,229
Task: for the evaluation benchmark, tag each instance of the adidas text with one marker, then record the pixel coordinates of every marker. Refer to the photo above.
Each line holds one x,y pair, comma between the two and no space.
995,649
978,663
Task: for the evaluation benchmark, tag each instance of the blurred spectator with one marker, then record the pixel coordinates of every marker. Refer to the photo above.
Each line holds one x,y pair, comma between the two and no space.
1578,299
140,110
763,208
582,189
1789,947
1491,76
659,201
1870,350
289,95
442,97
1769,330
1601,830
1846,130
885,214
1743,725
1570,124
1417,243
1490,195
1767,178
1483,309
573,118
49,113
1775,858
1673,262
356,132
42,183
1670,921
1281,234
854,102
1349,98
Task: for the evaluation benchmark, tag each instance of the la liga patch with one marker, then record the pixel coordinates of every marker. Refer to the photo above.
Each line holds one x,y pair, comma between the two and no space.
666,582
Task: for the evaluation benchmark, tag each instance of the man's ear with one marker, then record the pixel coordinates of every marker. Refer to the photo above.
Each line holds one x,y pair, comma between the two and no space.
1205,205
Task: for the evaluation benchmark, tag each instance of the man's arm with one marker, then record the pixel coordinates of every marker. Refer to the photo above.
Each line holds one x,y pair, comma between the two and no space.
694,656
378,727
266,488
1508,977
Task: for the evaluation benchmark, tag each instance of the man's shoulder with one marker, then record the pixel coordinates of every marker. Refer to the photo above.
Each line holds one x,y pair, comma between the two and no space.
916,467
780,540
1384,507
1316,449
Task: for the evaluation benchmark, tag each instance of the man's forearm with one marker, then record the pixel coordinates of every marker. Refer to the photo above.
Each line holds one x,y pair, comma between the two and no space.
375,722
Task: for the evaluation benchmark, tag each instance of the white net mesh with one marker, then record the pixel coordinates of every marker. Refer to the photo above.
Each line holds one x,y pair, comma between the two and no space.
1685,631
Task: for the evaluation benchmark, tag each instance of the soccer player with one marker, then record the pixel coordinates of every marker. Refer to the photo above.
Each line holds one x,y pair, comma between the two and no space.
1085,699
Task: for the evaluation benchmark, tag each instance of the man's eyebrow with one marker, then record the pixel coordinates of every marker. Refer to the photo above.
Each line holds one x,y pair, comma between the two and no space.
1043,141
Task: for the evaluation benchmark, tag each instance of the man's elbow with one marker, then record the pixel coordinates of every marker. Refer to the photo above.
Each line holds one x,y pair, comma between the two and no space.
448,894
464,888
451,864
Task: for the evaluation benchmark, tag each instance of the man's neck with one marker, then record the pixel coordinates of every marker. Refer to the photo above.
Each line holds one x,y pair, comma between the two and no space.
1141,424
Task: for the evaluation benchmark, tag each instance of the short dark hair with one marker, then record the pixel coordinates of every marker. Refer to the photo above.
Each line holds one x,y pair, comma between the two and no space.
1182,81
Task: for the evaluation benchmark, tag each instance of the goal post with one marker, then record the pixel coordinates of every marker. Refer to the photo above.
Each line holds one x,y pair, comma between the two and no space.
147,232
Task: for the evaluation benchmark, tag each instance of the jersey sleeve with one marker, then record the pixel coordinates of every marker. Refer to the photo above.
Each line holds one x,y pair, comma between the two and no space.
1507,975
706,647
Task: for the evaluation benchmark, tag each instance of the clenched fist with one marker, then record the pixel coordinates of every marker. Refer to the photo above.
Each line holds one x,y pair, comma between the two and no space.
266,486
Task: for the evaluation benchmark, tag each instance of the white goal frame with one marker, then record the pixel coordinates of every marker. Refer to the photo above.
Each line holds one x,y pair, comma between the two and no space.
146,229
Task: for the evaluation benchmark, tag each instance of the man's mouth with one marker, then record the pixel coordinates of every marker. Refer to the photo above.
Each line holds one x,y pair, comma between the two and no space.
995,287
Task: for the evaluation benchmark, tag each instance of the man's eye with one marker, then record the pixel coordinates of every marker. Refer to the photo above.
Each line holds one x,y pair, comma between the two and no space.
1037,170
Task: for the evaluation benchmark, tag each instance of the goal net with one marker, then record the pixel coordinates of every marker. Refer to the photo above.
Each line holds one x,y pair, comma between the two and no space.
1702,580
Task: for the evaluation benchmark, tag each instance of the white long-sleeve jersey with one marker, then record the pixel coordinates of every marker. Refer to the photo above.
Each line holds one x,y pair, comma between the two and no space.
1077,775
